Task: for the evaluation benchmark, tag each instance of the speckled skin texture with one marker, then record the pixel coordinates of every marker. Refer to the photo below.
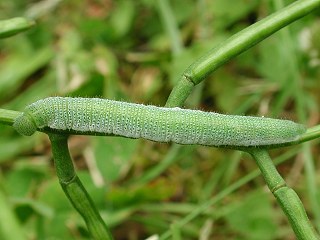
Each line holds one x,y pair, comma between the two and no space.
159,124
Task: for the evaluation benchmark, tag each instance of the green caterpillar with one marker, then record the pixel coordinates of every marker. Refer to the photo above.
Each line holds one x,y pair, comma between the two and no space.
159,124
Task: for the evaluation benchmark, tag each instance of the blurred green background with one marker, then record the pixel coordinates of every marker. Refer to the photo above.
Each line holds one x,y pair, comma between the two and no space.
123,50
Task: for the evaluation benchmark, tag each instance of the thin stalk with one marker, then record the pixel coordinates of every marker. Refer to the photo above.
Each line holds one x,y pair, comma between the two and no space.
170,25
296,82
220,176
221,195
12,26
235,45
7,116
176,232
286,197
175,153
74,189
310,134
310,175
171,157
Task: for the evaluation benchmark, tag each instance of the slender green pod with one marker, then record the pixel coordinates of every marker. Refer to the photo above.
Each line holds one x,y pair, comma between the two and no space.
74,190
183,126
10,27
82,202
287,198
235,45
297,216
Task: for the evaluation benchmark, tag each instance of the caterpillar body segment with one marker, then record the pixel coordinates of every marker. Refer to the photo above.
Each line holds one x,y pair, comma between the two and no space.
183,126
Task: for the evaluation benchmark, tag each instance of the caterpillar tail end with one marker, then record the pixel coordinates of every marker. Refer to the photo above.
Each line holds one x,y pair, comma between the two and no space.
301,129
24,125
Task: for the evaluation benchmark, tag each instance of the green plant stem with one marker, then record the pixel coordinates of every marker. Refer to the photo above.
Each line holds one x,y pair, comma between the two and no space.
225,192
235,45
286,197
294,86
170,26
310,134
311,180
14,26
171,157
7,116
74,189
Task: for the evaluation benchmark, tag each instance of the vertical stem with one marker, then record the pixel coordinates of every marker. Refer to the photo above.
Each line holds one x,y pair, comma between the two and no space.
62,160
313,190
296,91
221,195
14,26
286,197
74,189
180,92
170,26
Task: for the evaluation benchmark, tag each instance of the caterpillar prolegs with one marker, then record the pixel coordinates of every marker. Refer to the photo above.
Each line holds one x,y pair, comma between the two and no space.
160,124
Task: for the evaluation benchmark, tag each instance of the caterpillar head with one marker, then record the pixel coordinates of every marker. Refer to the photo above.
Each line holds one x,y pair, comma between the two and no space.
24,125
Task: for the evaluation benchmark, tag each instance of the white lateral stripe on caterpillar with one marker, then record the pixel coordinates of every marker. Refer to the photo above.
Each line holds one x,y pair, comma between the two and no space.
159,124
